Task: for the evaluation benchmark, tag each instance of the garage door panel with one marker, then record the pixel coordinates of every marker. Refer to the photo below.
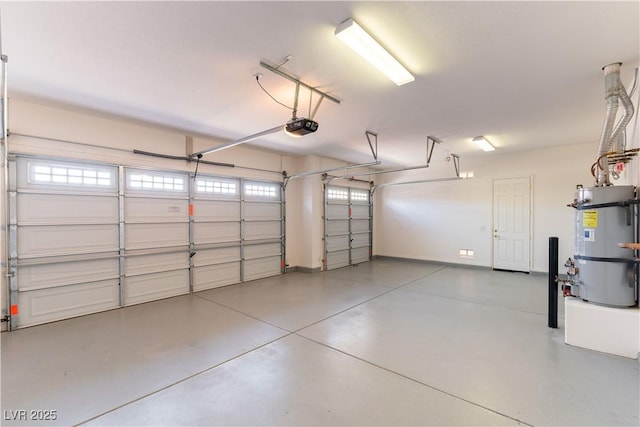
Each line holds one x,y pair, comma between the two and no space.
254,211
359,211
337,259
143,236
51,240
86,244
264,267
359,255
335,243
262,230
145,264
216,232
216,210
257,251
359,240
151,287
337,211
150,210
359,226
48,305
214,276
338,227
216,256
31,277
35,208
349,241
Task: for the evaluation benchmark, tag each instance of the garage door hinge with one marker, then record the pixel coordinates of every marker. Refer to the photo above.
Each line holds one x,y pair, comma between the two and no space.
5,319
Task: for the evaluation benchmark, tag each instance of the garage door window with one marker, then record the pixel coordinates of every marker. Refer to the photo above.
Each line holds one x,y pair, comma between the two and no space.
214,186
337,194
265,190
359,196
55,174
155,182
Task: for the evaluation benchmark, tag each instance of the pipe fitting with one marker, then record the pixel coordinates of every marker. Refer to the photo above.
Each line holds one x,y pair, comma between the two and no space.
614,93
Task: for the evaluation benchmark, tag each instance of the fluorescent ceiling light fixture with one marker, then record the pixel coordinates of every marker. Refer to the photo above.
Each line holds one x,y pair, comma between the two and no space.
364,45
483,143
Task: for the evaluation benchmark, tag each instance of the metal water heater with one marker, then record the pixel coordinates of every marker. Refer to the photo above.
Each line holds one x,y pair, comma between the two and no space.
605,265
606,273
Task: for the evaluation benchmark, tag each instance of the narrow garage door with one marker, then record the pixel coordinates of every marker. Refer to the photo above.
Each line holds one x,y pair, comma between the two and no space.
360,225
237,231
262,229
156,235
216,232
347,226
64,240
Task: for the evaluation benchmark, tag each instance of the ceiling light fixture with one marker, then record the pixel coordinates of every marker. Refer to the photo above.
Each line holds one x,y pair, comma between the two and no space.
483,143
366,46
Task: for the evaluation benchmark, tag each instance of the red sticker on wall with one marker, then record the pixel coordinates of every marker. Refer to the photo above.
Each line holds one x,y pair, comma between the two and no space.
190,209
14,310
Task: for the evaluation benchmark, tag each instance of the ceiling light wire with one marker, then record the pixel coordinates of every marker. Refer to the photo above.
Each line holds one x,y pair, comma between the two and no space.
270,96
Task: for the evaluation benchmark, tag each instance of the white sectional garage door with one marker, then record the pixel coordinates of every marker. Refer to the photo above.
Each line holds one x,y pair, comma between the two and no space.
64,240
156,235
216,232
262,229
360,225
89,237
347,226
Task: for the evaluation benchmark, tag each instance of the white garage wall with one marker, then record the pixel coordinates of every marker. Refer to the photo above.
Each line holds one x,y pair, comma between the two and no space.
122,137
305,225
434,221
309,235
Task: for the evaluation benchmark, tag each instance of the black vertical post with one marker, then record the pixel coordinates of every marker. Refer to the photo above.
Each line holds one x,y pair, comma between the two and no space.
553,285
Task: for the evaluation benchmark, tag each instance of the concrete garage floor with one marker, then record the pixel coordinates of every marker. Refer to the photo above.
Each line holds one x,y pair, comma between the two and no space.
384,343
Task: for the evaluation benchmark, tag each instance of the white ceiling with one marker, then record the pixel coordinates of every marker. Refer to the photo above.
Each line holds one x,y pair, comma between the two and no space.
526,74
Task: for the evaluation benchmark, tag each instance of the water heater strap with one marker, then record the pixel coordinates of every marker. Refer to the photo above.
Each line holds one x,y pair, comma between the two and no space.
607,205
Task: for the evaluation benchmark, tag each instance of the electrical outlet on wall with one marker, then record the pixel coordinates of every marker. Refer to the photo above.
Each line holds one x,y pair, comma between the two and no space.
466,253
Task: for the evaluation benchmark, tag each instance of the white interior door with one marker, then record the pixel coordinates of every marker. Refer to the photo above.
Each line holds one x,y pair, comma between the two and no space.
512,224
